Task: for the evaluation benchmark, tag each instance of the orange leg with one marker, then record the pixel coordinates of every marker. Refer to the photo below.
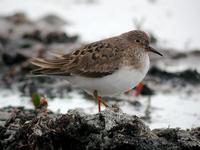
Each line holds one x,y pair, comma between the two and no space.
99,103
138,89
99,100
104,103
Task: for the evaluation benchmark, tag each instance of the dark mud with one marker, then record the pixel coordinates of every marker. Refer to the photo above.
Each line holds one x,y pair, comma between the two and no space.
110,129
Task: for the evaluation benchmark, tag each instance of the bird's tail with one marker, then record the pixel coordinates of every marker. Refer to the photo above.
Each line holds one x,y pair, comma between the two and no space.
48,66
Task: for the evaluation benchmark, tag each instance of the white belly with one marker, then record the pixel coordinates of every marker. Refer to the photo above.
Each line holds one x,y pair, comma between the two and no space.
116,83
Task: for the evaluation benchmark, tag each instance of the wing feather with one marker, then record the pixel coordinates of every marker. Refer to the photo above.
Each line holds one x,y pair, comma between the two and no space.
97,59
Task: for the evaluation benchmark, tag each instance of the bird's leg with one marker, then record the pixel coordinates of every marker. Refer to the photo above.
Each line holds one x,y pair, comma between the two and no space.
104,103
99,100
138,89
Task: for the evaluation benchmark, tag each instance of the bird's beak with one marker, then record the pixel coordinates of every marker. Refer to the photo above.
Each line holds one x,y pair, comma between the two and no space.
154,51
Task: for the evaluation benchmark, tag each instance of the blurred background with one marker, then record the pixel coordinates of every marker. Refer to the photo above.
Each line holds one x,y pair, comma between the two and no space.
170,96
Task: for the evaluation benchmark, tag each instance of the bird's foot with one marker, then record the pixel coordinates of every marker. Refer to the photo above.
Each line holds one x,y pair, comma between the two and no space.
100,101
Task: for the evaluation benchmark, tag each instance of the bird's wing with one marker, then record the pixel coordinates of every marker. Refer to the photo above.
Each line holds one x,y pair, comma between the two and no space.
97,59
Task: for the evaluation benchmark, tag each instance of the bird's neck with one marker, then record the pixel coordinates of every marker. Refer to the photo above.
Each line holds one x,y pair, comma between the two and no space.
136,58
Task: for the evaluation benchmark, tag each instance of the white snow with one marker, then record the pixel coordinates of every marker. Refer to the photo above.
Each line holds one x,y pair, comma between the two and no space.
13,98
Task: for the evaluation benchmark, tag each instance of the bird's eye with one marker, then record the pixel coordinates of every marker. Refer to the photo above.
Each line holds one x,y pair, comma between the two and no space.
138,41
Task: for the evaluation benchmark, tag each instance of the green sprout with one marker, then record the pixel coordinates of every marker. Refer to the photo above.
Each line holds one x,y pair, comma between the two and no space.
36,99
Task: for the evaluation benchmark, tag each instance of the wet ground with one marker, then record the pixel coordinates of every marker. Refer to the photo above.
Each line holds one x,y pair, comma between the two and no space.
170,97
110,129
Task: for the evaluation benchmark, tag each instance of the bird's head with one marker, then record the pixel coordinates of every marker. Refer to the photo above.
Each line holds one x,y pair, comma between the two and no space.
140,40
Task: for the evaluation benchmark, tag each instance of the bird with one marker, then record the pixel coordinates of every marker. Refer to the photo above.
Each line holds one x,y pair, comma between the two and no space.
103,68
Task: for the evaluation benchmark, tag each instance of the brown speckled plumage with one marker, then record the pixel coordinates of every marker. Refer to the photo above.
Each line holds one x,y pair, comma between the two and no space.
99,58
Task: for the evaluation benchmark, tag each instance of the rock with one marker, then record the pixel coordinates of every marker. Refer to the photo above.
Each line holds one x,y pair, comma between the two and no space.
185,139
53,20
27,129
147,91
3,40
10,59
18,18
59,37
187,76
33,35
